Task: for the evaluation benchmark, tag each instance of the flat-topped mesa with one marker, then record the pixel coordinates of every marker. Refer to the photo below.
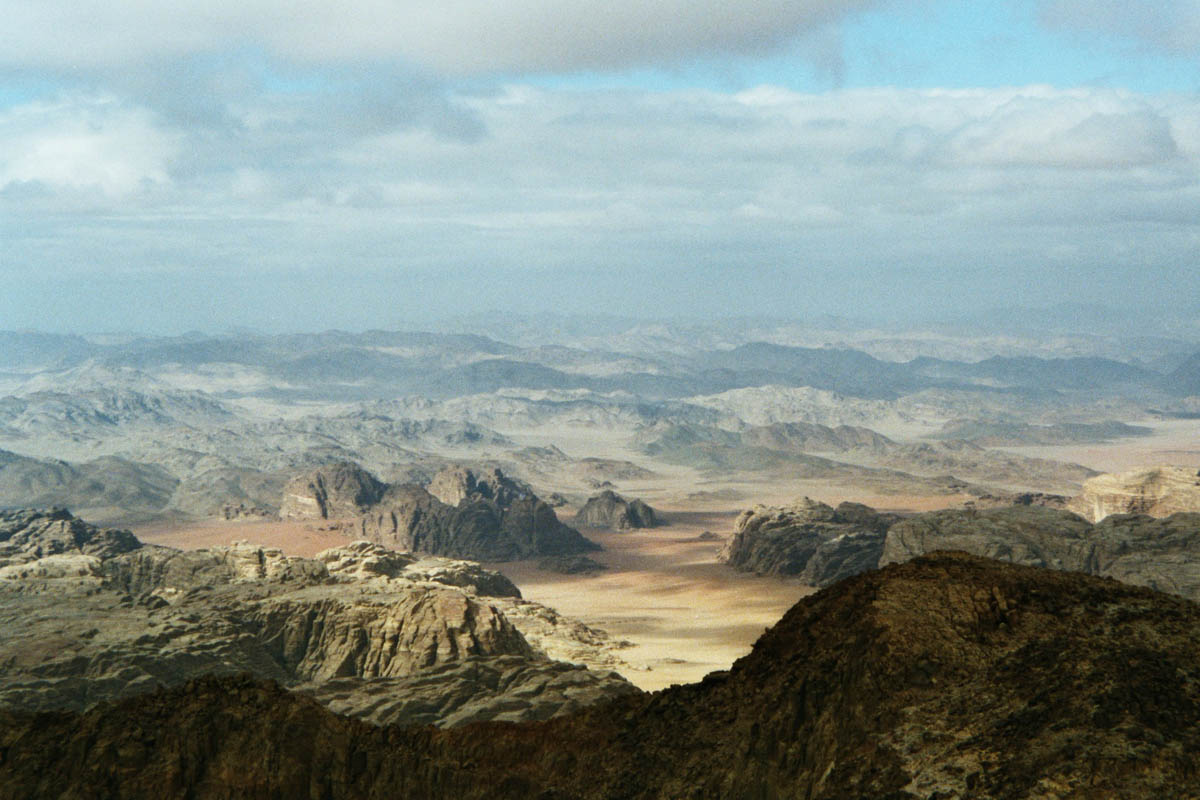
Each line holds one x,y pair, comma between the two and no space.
610,510
1156,491
337,491
808,539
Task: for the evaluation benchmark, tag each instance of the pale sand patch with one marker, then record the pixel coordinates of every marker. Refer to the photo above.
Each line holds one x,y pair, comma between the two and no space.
1173,442
293,538
685,614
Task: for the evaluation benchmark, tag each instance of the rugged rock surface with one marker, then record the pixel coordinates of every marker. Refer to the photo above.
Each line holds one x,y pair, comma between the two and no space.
410,518
501,688
1160,553
453,485
28,535
482,516
88,615
808,539
1157,491
342,490
610,510
949,676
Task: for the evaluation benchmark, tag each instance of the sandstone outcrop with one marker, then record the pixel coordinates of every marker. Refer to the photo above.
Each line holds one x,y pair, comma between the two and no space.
479,527
100,616
336,491
808,539
475,689
948,676
1163,554
463,514
27,535
1157,491
610,510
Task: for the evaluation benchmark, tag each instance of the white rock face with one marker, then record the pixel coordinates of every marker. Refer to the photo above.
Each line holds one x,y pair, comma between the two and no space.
1157,491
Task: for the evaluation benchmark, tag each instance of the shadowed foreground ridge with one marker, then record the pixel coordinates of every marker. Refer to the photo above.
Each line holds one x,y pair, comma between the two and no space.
948,676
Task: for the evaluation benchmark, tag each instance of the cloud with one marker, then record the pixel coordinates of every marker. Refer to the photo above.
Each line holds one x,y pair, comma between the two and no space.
870,196
453,37
1171,25
83,145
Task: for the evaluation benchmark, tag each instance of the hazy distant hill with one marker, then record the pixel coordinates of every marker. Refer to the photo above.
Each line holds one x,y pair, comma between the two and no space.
1185,380
105,487
1040,373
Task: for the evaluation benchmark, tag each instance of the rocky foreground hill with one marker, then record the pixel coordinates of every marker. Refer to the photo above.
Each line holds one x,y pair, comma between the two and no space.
820,544
89,615
948,676
462,513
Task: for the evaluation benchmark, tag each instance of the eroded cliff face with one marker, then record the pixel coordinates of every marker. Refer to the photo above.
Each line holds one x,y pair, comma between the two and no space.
1155,491
78,628
949,676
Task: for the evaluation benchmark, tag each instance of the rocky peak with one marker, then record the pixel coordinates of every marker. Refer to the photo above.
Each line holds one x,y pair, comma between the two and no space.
808,539
454,485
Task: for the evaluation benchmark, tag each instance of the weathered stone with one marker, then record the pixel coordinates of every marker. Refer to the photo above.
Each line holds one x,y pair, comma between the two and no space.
610,510
1156,491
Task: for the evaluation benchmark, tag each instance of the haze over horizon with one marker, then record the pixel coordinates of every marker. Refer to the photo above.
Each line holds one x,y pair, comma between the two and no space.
302,166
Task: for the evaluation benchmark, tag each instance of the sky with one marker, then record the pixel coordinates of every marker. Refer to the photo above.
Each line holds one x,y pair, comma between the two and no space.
303,165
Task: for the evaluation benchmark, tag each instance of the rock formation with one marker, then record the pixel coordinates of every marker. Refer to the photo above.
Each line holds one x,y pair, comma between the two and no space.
338,491
610,510
808,539
1163,554
483,516
1157,491
949,676
90,615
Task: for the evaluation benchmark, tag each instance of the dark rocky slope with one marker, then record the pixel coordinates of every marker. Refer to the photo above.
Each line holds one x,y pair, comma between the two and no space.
949,676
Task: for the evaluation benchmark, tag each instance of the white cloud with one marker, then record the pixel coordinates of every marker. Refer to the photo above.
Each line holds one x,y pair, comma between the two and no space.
451,36
880,186
92,144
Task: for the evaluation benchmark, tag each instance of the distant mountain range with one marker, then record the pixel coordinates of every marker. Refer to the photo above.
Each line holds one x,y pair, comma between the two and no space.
377,364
